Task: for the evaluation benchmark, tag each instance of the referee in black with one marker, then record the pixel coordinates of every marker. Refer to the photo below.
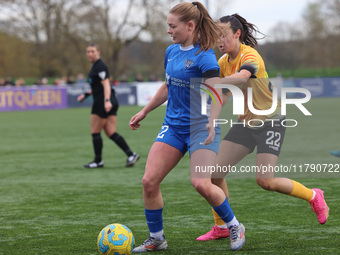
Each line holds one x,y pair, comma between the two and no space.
104,109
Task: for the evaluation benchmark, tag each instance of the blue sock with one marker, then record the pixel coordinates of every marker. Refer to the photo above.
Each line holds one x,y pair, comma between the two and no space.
154,219
224,211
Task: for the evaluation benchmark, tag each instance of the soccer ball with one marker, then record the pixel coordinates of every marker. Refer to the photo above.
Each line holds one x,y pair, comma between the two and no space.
115,239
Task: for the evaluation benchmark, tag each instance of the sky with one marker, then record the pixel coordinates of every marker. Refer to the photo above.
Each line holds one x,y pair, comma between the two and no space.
265,14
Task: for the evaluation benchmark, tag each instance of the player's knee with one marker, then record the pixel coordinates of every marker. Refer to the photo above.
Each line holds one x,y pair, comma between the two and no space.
266,183
110,133
149,185
200,186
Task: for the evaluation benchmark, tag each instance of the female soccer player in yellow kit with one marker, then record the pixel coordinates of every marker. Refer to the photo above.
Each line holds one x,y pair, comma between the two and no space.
242,62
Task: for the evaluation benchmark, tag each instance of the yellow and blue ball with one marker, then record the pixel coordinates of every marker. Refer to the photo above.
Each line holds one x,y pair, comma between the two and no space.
115,239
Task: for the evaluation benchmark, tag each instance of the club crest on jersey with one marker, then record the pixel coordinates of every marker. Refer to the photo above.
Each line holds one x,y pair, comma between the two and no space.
188,63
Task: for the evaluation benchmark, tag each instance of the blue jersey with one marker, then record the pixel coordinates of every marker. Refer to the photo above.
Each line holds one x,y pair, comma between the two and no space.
183,66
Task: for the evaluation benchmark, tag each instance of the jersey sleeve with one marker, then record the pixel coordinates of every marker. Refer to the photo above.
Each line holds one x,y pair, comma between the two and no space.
251,63
102,71
166,57
208,62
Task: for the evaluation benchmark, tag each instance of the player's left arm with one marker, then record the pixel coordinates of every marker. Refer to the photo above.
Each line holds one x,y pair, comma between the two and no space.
107,94
238,79
250,64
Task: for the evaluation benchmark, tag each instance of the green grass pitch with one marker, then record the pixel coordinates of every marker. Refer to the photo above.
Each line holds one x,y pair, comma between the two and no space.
50,204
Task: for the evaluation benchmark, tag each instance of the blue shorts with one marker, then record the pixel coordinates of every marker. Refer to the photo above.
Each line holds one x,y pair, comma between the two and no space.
192,140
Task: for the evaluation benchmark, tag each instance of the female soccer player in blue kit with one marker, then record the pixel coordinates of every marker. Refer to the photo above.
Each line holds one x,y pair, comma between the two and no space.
194,33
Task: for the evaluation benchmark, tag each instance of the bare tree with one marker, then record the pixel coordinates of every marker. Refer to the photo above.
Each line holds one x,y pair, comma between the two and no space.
116,28
315,23
331,14
59,30
47,24
218,8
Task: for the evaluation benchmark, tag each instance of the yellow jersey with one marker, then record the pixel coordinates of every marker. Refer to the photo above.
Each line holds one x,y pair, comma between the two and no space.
249,59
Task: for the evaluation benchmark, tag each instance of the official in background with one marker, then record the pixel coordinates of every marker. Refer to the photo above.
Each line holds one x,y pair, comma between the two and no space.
104,109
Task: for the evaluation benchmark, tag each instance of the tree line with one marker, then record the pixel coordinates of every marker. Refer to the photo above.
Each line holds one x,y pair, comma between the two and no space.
47,38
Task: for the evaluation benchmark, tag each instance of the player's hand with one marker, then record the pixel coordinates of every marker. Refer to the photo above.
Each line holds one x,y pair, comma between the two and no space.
108,106
134,122
211,136
81,98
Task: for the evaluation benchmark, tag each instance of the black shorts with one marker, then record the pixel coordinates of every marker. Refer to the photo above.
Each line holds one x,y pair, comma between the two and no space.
99,109
268,138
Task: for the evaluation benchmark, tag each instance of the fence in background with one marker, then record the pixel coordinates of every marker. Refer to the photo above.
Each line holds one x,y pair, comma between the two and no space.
33,98
59,97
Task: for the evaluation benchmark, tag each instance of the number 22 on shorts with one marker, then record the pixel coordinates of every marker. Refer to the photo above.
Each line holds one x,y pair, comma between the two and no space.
271,135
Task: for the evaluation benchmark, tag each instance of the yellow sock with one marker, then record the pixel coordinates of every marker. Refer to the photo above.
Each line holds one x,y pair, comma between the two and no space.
301,191
217,219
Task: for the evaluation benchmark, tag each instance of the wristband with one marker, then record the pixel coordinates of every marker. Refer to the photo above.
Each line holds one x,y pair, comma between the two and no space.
87,94
107,100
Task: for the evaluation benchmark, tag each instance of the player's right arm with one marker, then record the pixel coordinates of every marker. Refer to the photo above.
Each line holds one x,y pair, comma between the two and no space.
159,99
82,97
